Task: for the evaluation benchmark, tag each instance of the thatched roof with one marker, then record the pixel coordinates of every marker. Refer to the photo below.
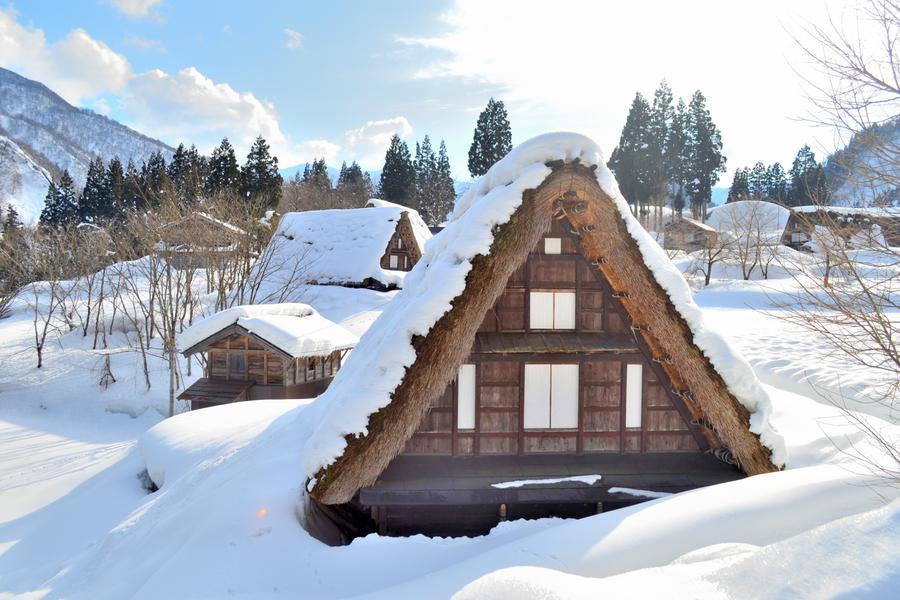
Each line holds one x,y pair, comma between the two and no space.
613,241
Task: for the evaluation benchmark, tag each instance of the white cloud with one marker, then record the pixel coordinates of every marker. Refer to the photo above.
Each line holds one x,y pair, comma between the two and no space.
189,106
368,143
144,43
309,150
576,65
136,9
293,40
76,67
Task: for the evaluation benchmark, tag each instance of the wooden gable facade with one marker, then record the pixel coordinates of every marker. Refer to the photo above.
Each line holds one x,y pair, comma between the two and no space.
241,366
557,324
689,235
563,359
403,251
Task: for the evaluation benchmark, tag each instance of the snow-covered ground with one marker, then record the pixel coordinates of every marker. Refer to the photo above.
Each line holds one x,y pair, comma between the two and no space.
76,520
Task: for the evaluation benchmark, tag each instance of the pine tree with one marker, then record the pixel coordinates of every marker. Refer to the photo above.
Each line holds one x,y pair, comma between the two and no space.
61,203
354,188
445,191
630,159
740,186
398,177
115,184
183,171
12,223
425,165
706,160
133,198
777,183
224,174
807,180
492,140
758,181
156,186
259,175
95,203
660,120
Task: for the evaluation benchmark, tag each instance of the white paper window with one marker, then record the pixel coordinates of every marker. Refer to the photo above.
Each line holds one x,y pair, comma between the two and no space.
392,261
552,246
551,397
552,310
400,242
798,237
634,395
465,399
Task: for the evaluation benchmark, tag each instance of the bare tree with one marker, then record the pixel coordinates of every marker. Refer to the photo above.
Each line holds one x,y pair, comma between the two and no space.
717,248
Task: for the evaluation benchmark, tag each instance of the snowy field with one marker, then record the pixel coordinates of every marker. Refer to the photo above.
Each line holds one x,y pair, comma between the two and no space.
76,520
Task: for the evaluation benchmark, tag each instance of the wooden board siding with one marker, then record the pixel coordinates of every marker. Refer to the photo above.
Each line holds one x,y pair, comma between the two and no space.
600,345
403,245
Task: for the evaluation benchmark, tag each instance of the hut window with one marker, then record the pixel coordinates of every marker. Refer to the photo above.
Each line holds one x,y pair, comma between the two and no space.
551,396
400,243
465,401
798,237
634,386
552,310
237,363
392,261
552,246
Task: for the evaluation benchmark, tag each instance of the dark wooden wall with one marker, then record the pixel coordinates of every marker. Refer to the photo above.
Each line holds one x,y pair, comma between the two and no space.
407,255
499,377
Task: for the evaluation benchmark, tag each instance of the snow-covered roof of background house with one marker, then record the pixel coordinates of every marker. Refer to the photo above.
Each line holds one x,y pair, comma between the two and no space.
345,246
377,367
736,216
870,211
295,329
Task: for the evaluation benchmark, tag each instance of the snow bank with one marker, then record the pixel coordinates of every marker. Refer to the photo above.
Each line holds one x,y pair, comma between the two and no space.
293,327
365,383
343,246
585,479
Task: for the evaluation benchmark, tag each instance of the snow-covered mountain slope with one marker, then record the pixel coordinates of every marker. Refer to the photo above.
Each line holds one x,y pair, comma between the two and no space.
41,134
866,172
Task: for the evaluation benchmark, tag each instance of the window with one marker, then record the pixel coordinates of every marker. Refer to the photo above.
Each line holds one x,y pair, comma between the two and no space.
552,246
634,395
798,237
400,243
552,310
465,397
392,261
237,363
551,396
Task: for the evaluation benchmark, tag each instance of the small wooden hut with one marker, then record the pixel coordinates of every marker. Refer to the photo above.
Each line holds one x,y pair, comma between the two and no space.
370,247
193,239
688,235
264,351
560,381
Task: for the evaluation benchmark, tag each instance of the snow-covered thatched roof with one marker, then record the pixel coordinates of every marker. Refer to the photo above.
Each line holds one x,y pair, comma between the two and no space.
295,329
345,246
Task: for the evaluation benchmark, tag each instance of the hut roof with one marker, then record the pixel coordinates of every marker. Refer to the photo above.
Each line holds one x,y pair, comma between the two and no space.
869,211
295,329
345,246
692,222
414,349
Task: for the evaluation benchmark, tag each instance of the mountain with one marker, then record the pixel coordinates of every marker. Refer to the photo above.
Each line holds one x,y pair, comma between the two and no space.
866,172
41,134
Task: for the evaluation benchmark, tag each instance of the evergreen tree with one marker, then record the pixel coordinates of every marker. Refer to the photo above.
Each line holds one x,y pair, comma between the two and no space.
224,173
807,180
492,140
133,196
777,183
758,181
630,160
354,188
61,203
115,184
259,175
740,186
398,177
12,223
659,122
678,202
445,191
156,186
677,159
184,171
95,203
706,160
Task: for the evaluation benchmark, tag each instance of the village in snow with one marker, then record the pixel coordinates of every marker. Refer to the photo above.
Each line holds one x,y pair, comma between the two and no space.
611,343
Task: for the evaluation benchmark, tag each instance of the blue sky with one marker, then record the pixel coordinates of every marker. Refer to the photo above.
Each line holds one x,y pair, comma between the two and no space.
338,78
